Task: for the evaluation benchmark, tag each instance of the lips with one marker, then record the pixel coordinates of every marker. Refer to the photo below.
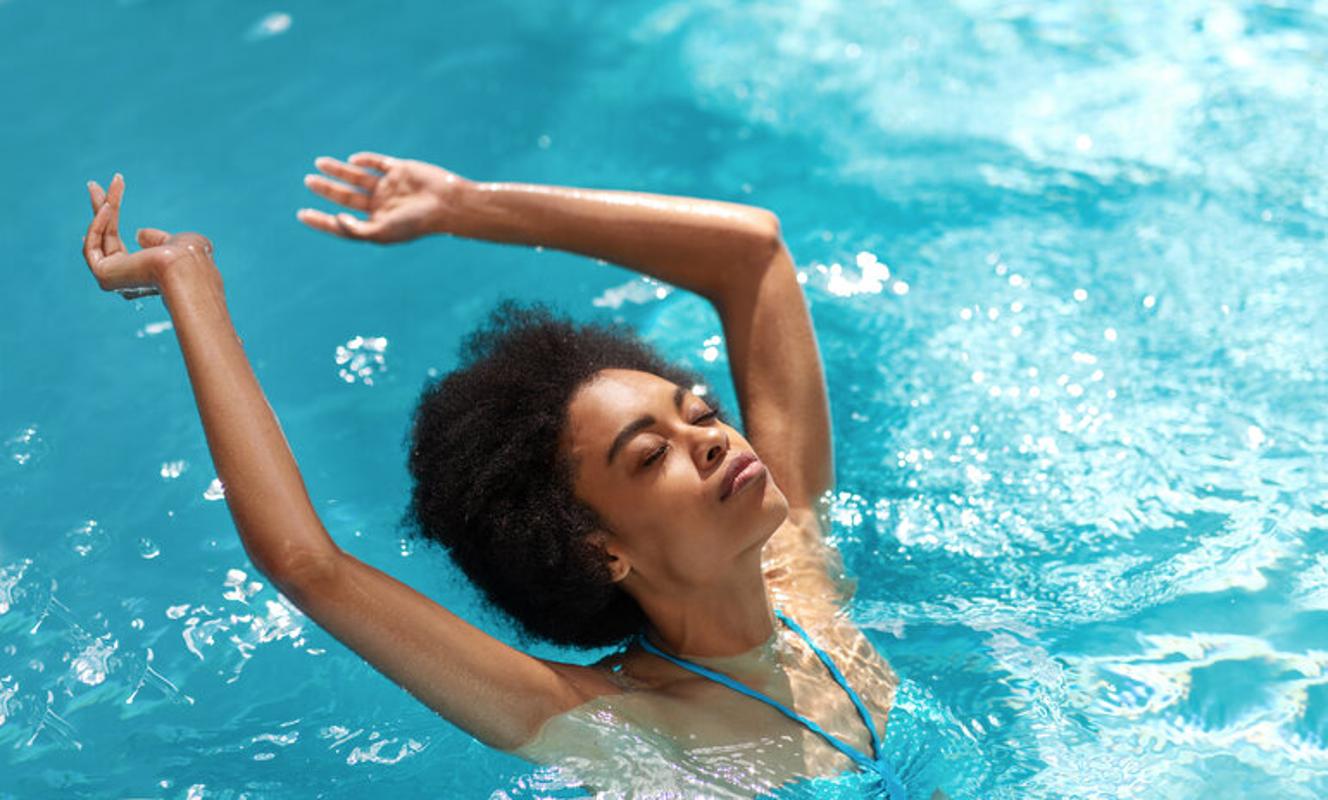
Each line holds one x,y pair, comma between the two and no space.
737,465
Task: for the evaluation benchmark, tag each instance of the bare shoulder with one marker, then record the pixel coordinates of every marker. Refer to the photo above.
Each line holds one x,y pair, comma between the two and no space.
589,681
633,678
625,691
592,686
623,673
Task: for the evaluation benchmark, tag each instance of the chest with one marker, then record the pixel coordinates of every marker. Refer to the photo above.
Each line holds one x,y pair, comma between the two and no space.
715,730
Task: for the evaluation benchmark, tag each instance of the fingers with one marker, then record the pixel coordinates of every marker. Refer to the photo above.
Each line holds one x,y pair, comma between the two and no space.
110,240
116,191
376,161
110,269
97,194
322,221
337,192
352,175
133,275
92,240
358,228
343,225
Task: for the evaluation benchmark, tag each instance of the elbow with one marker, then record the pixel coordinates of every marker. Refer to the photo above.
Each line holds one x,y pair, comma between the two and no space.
302,572
767,237
756,249
768,229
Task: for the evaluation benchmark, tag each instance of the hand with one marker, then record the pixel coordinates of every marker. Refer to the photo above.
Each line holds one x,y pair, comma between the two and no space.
138,274
407,200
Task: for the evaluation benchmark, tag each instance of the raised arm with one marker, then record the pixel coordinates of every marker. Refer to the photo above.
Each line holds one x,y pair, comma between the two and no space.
730,254
705,246
496,693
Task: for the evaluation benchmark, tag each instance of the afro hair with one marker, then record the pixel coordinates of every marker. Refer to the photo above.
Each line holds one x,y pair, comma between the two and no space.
492,486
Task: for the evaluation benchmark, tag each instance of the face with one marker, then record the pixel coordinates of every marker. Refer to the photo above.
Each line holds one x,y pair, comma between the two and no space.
660,493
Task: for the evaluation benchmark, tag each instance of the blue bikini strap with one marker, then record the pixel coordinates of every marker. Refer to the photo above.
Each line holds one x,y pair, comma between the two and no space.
839,679
894,787
717,677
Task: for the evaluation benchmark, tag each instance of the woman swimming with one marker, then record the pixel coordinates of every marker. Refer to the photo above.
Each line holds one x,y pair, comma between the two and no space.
591,489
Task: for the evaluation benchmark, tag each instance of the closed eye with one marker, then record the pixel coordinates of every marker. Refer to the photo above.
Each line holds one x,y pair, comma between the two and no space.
664,447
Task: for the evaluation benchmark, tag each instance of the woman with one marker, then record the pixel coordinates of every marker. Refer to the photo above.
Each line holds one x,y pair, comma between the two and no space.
585,485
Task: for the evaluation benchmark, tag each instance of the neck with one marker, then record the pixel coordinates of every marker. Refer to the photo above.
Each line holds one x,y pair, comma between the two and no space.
717,620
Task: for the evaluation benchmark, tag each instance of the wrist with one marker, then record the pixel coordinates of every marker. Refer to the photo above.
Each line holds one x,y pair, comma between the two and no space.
191,277
457,209
507,213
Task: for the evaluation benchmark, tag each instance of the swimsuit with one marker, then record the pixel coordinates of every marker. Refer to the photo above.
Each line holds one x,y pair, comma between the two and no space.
876,764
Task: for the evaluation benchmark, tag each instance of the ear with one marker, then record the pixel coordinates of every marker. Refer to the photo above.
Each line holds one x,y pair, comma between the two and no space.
619,564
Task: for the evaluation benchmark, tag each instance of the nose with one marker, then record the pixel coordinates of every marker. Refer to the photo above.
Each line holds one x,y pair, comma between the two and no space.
711,445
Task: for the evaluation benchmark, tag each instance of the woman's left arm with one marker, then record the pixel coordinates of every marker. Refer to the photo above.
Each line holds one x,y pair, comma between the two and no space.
730,254
704,246
735,257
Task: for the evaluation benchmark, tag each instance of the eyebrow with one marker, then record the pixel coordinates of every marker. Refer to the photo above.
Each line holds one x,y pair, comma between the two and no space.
635,426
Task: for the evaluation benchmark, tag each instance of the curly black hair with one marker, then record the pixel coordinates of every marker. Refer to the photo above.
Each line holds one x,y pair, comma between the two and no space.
493,487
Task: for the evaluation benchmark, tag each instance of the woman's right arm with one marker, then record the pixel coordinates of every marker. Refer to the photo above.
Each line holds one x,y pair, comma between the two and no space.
498,694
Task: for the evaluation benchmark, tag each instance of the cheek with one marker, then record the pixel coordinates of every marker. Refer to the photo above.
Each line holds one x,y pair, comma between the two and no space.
667,505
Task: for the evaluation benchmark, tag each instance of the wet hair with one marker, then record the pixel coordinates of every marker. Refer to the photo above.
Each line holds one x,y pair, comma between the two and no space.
493,487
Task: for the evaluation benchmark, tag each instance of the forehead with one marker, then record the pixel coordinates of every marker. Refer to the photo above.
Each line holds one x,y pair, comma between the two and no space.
614,397
617,392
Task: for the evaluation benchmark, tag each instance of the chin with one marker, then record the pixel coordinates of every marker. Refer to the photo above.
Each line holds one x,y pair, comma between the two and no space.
775,498
764,516
774,512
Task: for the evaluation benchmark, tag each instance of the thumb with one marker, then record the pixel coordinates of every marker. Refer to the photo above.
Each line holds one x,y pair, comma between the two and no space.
357,227
151,237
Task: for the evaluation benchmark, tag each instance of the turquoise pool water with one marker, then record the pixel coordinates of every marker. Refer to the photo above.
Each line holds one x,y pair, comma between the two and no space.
1068,270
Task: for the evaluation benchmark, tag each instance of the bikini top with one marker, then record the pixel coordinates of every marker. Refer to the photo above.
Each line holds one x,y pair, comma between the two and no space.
876,763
